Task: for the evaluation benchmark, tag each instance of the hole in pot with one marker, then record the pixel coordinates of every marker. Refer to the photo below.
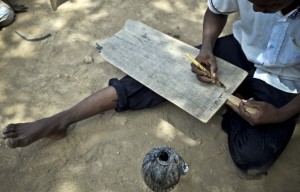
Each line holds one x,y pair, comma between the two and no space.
163,156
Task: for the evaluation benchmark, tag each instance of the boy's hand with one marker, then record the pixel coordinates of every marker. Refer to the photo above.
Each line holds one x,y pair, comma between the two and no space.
265,112
209,63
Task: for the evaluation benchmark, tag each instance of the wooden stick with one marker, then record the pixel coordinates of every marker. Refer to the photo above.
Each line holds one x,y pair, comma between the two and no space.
236,101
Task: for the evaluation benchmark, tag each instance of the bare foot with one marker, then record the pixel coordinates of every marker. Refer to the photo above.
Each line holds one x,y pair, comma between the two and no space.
23,134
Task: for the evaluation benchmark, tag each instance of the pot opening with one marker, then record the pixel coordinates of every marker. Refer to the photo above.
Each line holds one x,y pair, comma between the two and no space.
163,156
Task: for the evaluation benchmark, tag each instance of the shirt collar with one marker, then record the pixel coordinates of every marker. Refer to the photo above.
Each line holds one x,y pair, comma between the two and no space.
294,14
290,16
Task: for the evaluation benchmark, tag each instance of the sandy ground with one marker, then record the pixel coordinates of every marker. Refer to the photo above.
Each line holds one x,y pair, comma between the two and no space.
104,153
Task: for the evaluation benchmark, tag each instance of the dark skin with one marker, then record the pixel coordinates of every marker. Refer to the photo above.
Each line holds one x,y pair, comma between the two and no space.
212,28
273,6
55,127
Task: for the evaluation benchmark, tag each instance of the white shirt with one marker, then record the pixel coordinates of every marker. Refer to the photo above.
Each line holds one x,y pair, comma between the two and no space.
270,41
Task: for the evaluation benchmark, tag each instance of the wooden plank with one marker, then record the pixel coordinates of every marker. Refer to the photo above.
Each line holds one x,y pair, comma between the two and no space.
158,61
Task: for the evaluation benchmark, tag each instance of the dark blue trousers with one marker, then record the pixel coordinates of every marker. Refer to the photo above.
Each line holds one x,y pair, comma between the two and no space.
254,147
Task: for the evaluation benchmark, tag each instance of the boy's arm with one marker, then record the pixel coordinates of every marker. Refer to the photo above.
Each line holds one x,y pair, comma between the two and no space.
292,108
213,25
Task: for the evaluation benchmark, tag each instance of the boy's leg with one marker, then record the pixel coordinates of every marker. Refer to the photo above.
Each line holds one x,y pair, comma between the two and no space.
120,95
253,148
23,134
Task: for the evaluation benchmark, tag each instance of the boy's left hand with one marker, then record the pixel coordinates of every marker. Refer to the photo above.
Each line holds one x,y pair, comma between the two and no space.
265,112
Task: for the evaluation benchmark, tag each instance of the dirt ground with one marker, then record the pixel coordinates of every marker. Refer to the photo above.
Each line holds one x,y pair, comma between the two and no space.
104,153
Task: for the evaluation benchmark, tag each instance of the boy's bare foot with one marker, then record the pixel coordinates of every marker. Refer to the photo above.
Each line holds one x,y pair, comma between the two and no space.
55,127
23,134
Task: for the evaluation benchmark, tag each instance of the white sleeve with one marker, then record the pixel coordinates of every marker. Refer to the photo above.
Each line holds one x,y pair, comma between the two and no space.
223,6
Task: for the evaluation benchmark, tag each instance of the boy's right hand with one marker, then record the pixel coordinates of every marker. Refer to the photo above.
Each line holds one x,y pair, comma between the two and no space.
209,62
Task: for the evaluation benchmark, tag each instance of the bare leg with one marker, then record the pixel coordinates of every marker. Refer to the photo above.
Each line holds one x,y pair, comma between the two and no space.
23,134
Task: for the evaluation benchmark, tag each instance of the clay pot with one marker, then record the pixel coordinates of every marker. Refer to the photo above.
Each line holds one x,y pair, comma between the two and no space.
162,168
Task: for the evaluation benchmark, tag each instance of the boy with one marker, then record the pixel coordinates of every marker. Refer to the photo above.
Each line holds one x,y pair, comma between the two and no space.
255,141
265,42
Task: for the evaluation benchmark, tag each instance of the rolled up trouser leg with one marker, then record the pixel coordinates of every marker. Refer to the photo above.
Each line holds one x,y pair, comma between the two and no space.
132,95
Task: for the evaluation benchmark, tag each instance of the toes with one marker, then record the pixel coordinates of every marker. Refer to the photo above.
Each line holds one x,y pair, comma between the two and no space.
9,128
13,142
9,135
9,143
